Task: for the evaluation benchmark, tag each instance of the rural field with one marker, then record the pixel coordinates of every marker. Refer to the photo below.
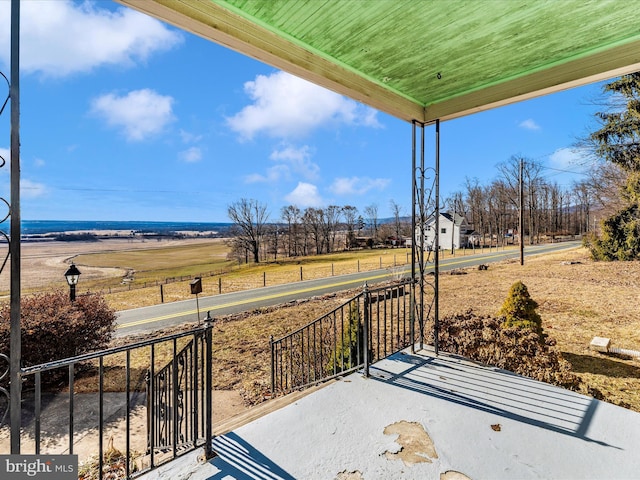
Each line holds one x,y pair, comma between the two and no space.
578,299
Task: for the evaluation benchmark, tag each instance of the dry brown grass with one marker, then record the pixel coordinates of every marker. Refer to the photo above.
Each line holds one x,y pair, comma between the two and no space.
577,301
250,276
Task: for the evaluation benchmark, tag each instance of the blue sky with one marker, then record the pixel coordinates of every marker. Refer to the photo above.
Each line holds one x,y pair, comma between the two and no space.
126,118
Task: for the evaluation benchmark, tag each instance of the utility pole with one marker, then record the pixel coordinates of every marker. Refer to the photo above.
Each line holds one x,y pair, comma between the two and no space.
453,228
521,215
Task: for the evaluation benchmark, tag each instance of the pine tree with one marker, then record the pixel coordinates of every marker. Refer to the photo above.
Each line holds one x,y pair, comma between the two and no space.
618,142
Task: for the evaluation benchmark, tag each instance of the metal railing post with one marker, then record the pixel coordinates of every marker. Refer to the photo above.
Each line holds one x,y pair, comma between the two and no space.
273,369
209,385
367,318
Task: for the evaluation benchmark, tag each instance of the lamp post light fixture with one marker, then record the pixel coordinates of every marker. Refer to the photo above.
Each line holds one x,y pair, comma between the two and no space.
72,275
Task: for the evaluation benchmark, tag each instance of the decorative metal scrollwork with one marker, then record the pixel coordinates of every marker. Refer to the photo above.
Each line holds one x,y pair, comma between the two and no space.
172,389
425,210
4,393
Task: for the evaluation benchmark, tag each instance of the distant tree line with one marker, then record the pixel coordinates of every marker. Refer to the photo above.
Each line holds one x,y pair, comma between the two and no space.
255,237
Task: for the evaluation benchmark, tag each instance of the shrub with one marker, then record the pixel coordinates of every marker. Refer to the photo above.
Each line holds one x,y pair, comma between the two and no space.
54,328
519,310
350,347
518,350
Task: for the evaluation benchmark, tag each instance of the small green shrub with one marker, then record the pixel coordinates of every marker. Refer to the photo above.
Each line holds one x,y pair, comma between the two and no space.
54,328
350,348
519,310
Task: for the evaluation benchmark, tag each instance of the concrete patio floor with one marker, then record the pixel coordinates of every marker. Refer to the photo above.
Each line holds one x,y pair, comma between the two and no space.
424,417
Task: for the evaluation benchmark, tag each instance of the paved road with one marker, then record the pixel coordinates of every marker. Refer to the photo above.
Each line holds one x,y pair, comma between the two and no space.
144,319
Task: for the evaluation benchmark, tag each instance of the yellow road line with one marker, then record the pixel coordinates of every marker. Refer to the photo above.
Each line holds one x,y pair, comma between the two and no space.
294,292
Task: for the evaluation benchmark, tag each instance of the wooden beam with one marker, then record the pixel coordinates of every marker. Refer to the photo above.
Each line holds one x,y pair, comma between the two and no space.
213,22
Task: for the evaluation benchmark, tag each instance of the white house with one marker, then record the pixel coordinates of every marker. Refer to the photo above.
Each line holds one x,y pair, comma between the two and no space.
452,230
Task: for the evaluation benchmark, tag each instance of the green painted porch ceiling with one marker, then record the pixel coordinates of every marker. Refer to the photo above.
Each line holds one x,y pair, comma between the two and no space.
424,59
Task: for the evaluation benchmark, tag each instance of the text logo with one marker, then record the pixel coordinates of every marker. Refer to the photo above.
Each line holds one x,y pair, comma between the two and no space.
39,467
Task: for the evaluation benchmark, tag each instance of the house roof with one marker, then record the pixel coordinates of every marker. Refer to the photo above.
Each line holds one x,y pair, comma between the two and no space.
459,219
428,59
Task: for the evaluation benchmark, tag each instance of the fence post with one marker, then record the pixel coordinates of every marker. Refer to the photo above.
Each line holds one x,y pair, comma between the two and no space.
219,284
264,279
161,294
366,329
273,366
300,273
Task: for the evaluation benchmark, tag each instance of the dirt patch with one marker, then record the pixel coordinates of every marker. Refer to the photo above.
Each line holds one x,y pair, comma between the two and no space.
415,443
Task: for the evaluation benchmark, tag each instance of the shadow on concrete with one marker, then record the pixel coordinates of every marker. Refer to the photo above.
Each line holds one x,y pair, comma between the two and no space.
240,460
491,390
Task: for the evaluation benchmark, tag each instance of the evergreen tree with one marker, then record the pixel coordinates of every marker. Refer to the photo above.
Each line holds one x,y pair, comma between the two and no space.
618,142
519,310
349,352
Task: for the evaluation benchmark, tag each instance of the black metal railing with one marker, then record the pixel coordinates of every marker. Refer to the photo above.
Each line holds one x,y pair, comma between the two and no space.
156,394
368,327
174,391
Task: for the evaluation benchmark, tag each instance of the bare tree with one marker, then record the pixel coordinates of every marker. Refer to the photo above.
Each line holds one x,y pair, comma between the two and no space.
532,182
291,215
350,214
249,218
313,220
371,211
396,211
332,216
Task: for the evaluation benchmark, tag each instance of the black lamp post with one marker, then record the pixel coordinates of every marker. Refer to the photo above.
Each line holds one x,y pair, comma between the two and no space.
72,275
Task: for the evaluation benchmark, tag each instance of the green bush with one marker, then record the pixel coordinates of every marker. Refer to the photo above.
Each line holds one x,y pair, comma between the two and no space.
349,350
54,328
519,310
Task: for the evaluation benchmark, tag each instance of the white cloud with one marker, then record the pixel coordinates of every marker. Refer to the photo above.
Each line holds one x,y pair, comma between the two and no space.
38,162
30,189
188,137
285,106
305,195
567,157
191,155
357,185
529,124
298,160
273,174
62,37
139,114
